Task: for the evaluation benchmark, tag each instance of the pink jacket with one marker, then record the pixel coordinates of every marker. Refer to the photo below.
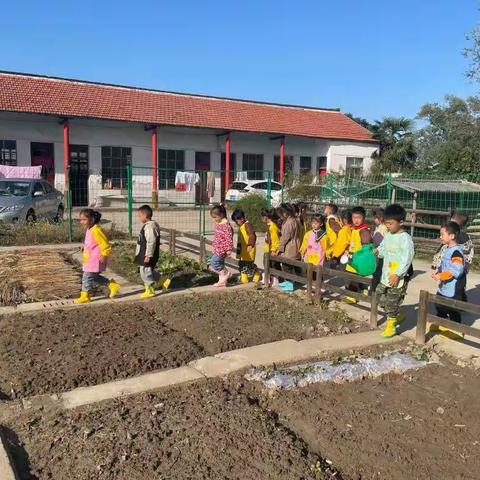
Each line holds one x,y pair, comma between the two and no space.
96,245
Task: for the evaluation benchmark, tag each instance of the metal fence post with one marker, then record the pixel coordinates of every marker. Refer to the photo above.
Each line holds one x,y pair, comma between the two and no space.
70,216
389,190
130,199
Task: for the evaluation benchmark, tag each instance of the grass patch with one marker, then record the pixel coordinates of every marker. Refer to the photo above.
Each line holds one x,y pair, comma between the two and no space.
45,233
183,271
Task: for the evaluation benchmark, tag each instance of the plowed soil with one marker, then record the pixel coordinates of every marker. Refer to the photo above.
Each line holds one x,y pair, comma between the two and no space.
206,431
54,351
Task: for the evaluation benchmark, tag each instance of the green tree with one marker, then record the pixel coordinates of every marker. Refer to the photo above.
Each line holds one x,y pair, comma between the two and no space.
397,144
450,140
473,54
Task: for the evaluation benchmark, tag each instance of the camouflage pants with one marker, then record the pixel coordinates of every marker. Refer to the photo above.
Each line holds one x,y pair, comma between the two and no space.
390,298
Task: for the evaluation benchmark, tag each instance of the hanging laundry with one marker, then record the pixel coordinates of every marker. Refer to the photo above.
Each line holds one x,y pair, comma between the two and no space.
210,185
241,177
8,171
185,181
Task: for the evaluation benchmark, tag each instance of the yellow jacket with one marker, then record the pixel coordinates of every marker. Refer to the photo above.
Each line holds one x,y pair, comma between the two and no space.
342,243
272,238
246,238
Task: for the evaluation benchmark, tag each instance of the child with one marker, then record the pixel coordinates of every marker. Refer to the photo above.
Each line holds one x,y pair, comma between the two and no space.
96,249
148,251
397,252
360,236
315,242
463,241
290,241
246,248
452,277
222,245
333,226
344,237
378,236
272,238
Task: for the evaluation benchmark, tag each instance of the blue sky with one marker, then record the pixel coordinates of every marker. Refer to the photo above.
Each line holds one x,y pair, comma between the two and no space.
370,57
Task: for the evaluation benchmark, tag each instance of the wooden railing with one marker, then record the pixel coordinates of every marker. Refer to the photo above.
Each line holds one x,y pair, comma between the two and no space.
318,278
424,317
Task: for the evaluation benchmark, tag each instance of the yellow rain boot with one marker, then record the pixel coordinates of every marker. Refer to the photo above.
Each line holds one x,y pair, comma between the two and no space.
349,300
244,278
113,288
163,283
451,334
390,329
149,292
83,298
257,277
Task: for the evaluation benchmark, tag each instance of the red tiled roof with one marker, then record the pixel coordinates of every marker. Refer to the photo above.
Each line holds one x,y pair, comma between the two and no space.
71,98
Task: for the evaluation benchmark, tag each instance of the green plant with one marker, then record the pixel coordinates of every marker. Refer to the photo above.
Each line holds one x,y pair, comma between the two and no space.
252,205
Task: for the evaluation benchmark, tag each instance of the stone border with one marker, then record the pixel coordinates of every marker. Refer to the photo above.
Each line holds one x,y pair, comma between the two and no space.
283,351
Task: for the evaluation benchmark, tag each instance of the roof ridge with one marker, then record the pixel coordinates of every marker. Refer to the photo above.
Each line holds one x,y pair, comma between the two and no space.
167,92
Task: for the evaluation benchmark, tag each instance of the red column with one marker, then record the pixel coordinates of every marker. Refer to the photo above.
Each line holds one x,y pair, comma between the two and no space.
227,162
282,159
66,153
154,168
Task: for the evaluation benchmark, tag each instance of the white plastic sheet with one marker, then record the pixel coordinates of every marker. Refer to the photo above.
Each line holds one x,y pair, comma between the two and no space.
315,372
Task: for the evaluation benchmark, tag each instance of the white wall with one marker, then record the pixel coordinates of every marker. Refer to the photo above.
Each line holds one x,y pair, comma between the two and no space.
26,128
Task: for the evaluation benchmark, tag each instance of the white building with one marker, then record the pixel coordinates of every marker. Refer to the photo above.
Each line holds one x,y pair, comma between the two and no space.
97,129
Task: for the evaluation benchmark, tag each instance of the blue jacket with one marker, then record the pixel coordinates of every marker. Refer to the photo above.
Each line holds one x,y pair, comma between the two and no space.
452,273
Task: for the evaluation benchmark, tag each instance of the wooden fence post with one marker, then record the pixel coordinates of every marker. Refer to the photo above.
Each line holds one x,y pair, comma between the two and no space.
266,269
422,318
318,284
309,279
203,252
173,242
374,311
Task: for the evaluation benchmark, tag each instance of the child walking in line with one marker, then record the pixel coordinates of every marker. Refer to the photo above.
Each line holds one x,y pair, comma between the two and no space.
360,236
96,249
452,277
148,251
315,242
222,245
290,241
378,236
463,240
344,237
246,248
333,225
272,239
397,252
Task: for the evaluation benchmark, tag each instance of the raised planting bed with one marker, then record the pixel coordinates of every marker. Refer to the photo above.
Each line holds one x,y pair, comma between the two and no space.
54,351
420,425
208,431
183,272
37,275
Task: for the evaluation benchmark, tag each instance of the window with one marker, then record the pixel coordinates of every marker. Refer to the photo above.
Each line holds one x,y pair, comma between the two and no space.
354,165
276,166
48,188
238,186
305,165
38,189
253,164
8,152
114,162
169,162
274,186
321,163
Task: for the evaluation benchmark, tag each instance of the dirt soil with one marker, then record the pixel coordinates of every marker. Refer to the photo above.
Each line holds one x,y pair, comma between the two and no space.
239,319
55,351
423,425
203,431
37,276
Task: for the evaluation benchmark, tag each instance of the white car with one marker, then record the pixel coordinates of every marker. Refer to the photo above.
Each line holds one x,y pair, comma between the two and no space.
240,189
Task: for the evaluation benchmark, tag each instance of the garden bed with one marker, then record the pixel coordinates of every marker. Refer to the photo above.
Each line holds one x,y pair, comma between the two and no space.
422,424
54,351
37,276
